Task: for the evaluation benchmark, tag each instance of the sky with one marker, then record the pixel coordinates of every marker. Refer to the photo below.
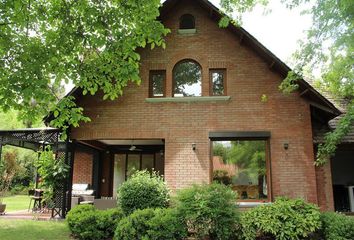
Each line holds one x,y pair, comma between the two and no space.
279,30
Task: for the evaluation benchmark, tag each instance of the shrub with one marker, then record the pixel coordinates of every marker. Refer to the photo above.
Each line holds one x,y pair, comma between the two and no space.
85,222
284,219
209,210
151,224
337,226
167,225
143,190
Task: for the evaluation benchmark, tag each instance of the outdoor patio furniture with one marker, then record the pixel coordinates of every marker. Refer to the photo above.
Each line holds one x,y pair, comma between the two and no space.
37,198
105,203
74,201
81,194
86,199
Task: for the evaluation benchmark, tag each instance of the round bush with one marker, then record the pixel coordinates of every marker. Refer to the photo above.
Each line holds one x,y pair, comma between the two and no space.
143,190
285,219
337,226
209,210
152,224
85,222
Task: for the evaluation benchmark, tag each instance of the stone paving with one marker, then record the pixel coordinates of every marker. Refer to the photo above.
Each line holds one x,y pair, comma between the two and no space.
24,214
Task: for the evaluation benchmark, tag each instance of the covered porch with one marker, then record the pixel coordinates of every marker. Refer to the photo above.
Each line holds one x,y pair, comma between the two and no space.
105,164
37,139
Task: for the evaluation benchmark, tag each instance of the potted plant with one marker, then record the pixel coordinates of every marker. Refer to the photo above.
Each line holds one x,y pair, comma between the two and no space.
8,169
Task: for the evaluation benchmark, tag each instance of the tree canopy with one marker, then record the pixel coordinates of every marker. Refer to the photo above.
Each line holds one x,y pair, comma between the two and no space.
93,44
44,44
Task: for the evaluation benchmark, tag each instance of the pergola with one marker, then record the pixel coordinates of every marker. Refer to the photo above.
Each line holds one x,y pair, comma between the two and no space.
36,139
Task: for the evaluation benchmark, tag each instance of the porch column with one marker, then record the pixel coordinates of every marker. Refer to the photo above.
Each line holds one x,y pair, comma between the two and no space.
71,173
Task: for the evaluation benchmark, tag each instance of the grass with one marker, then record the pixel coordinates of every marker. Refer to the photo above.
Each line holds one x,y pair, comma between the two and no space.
17,202
33,230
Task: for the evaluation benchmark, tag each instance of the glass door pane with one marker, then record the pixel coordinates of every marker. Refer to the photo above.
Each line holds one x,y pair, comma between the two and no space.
147,162
118,171
133,164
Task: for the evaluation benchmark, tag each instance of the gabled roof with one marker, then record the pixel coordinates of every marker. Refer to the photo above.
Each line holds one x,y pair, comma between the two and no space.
315,99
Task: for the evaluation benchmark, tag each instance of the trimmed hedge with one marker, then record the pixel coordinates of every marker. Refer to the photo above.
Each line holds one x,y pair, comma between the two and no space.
151,224
85,222
143,190
337,226
209,210
284,219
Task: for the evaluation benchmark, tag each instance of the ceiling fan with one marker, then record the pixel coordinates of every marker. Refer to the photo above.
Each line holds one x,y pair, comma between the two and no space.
132,148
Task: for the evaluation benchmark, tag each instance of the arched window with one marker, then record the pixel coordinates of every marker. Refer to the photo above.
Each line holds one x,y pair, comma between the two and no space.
187,21
187,79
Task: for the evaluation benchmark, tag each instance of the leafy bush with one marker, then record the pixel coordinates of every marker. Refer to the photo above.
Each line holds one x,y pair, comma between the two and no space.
85,222
285,219
143,190
209,210
52,171
151,224
337,226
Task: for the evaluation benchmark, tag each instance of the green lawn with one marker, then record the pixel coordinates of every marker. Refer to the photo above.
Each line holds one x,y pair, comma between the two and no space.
15,203
33,230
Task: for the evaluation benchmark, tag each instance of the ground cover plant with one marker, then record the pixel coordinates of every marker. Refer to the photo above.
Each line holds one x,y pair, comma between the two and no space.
16,203
33,230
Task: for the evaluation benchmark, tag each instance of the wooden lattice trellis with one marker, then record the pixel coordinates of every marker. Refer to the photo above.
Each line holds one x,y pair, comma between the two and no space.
36,140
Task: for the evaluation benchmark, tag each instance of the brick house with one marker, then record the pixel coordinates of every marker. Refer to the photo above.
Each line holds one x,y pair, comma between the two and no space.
209,86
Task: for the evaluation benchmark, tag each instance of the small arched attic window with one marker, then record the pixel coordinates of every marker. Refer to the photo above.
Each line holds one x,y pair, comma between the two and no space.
187,21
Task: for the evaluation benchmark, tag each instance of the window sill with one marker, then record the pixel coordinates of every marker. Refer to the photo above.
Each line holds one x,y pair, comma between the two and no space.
189,99
187,31
251,204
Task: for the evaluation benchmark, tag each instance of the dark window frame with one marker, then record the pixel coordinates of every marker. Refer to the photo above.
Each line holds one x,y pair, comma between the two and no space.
140,161
186,17
211,86
173,75
247,136
151,91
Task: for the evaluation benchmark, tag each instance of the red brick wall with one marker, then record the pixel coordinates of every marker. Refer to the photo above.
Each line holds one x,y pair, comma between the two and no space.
324,187
83,168
181,124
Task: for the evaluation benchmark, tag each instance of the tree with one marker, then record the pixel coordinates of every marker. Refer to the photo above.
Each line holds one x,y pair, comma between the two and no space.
94,43
25,158
329,47
8,169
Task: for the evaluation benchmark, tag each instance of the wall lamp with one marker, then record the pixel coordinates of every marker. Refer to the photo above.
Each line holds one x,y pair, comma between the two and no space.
194,146
286,145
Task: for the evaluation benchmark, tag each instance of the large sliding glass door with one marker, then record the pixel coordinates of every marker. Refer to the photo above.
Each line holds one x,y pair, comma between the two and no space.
127,163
